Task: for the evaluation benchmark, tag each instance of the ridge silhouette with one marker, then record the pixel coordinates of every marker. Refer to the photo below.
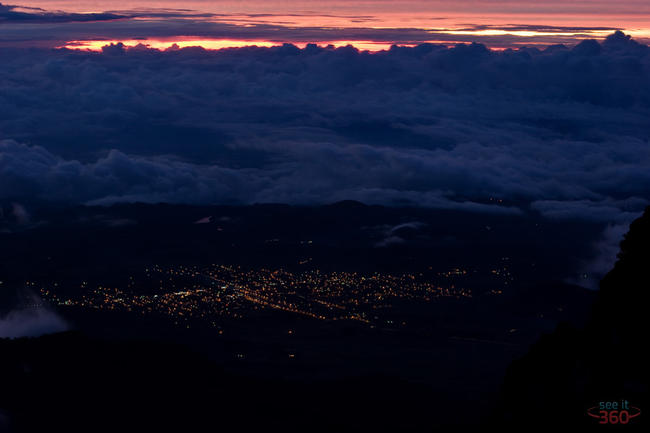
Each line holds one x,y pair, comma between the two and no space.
572,369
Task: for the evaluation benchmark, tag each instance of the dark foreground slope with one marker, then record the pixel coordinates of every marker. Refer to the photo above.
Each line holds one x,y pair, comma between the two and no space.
68,382
573,370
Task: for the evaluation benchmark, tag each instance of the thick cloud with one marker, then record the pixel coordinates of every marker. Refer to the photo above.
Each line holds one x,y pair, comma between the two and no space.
561,131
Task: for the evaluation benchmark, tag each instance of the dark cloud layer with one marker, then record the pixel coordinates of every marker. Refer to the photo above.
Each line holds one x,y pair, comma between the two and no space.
561,131
11,14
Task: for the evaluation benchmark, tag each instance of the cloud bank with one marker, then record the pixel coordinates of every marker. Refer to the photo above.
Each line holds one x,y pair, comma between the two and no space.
564,132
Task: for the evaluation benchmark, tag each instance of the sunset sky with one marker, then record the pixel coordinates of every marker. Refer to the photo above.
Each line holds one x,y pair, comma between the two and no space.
369,25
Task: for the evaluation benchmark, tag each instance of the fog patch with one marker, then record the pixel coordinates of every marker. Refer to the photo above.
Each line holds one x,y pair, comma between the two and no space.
31,320
606,250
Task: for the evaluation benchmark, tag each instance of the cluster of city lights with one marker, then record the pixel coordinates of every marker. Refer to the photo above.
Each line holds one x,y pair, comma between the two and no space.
213,293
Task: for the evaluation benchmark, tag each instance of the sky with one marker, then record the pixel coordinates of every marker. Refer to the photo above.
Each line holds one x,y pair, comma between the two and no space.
372,25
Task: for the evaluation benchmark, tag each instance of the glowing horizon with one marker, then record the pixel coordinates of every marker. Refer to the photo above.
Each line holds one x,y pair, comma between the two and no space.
368,25
216,44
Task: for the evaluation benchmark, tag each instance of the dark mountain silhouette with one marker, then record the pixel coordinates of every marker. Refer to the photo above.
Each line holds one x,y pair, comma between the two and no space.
575,369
